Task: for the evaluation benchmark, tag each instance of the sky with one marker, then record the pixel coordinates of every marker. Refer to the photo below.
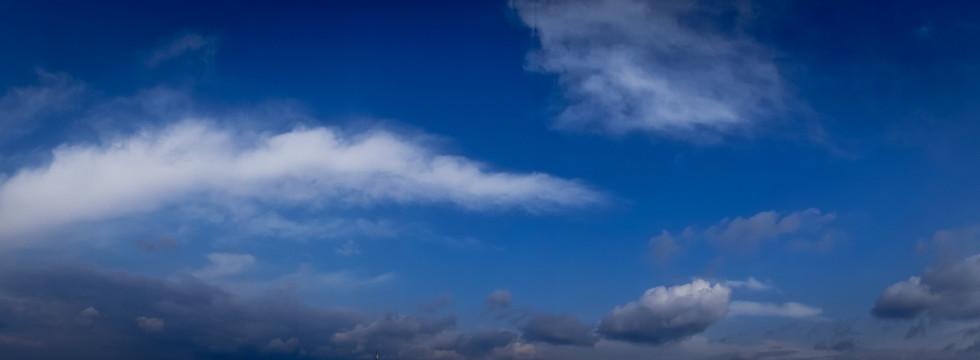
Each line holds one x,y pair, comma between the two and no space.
523,179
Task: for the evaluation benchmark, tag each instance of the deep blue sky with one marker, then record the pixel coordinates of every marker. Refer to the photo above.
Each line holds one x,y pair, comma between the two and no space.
826,149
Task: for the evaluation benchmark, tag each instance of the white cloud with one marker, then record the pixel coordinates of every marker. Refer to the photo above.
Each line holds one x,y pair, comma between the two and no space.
186,161
751,284
669,68
789,309
223,264
149,324
668,314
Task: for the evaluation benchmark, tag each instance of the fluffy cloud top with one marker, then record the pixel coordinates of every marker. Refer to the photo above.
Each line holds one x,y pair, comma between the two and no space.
668,314
950,291
153,169
672,68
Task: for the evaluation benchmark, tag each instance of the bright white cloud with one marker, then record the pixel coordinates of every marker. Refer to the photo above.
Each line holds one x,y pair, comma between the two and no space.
223,264
668,314
751,284
192,159
789,309
661,67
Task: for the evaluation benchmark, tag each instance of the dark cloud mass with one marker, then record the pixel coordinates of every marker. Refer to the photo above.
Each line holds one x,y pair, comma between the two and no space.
563,329
84,313
948,291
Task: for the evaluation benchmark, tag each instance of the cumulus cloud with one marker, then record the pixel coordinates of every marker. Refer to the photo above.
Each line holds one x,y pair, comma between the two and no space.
152,169
946,291
789,309
563,329
224,264
668,314
671,68
499,298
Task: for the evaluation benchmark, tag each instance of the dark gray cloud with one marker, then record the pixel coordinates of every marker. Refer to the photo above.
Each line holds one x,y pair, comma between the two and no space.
85,313
563,329
667,314
945,291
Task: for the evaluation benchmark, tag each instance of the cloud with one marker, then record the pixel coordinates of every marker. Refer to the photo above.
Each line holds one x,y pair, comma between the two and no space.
946,291
187,161
563,329
677,69
789,309
751,284
748,233
766,225
149,324
183,45
347,249
667,314
223,264
188,319
278,345
24,108
499,298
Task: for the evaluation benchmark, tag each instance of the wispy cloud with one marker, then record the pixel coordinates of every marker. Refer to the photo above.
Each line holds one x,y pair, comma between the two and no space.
806,229
671,68
24,108
789,309
154,168
185,44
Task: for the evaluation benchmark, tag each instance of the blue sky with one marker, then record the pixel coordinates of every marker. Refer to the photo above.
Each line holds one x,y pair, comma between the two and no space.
489,180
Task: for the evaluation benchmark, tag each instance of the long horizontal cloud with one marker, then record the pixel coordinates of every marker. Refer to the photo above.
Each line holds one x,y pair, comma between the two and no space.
808,229
657,67
790,309
153,169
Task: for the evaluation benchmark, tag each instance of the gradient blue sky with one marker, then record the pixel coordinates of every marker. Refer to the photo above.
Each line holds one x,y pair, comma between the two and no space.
490,179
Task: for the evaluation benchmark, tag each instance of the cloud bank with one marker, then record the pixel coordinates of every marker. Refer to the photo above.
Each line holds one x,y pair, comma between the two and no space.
678,69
